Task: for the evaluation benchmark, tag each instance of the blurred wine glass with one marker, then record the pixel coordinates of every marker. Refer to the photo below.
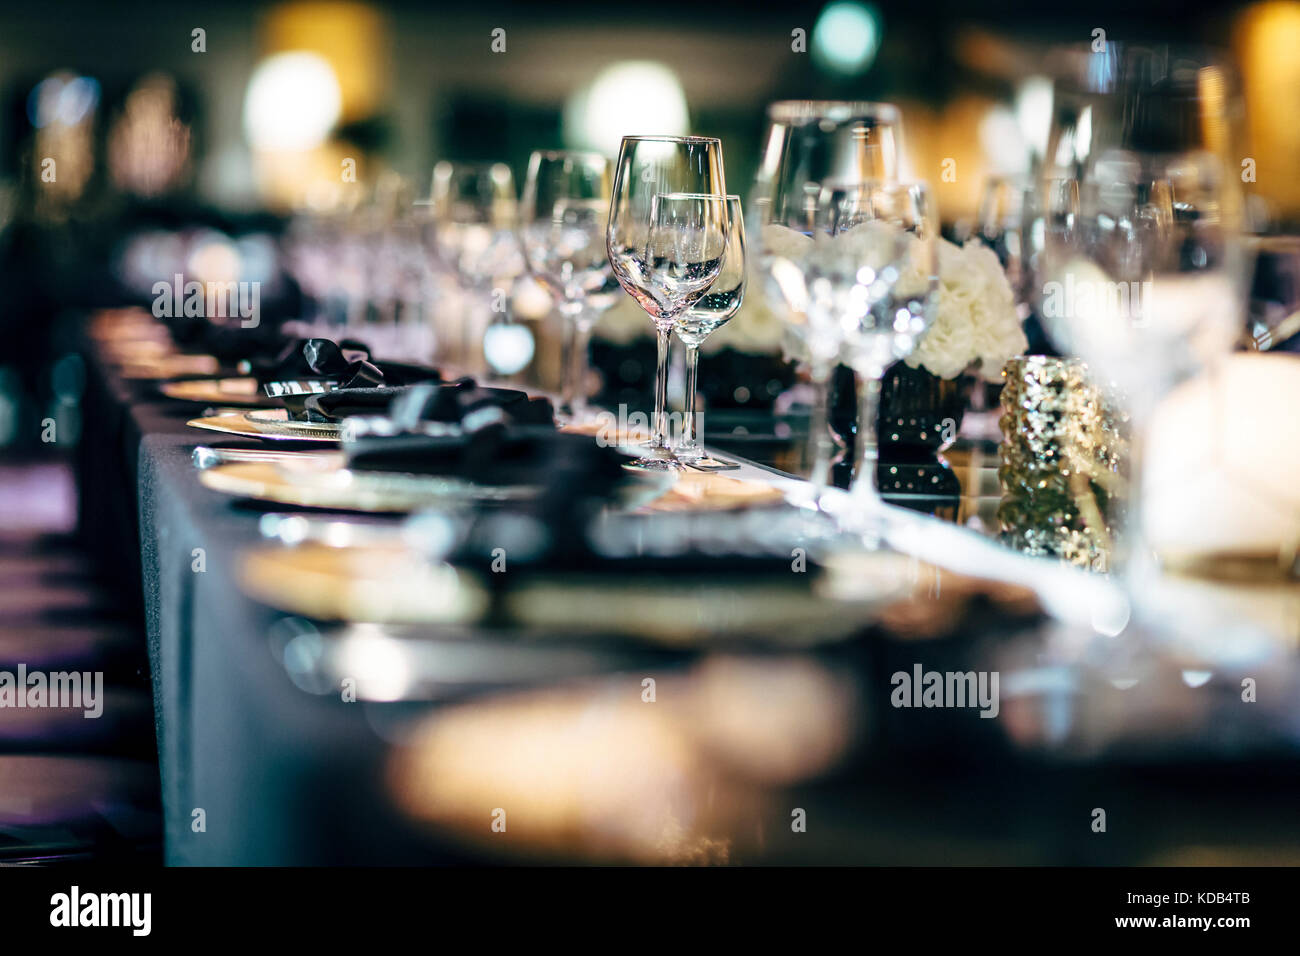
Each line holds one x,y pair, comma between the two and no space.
665,236
873,274
809,143
475,218
1144,270
1005,220
565,208
310,242
709,313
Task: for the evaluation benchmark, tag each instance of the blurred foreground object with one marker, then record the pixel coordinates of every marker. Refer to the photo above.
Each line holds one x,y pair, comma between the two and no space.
1222,458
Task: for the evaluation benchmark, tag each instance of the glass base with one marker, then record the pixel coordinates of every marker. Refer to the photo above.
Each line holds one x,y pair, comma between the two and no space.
656,464
706,463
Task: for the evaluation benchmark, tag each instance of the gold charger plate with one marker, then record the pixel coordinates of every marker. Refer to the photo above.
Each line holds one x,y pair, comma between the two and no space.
391,584
315,484
378,583
278,428
701,491
168,366
242,390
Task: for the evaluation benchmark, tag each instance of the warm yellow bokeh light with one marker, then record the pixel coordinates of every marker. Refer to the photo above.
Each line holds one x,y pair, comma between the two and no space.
1267,38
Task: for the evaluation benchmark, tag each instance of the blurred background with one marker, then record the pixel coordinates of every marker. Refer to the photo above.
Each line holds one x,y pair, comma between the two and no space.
137,139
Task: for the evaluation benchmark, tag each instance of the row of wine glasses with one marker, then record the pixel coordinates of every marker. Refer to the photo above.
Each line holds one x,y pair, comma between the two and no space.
567,205
850,252
452,255
1132,197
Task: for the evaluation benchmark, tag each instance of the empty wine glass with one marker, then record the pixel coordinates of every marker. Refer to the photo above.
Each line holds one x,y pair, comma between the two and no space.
665,243
709,313
475,210
1144,267
810,142
873,275
565,208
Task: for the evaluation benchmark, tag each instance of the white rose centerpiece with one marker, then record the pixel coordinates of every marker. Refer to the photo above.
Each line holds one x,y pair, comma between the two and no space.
976,323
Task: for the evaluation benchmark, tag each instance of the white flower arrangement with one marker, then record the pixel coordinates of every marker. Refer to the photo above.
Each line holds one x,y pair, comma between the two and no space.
976,322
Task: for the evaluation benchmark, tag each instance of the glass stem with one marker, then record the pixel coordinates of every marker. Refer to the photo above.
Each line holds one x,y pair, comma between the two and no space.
659,440
577,373
692,438
568,336
867,451
819,436
1138,568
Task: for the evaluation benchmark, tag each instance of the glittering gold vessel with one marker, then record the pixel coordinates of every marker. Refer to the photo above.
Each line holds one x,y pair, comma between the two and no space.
1061,457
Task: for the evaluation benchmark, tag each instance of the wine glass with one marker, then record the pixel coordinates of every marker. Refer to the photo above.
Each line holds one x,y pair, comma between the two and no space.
873,275
475,210
709,313
665,242
1144,268
565,207
809,142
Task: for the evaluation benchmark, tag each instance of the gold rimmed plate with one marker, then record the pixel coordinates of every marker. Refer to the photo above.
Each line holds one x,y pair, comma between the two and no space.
278,421
274,425
241,390
384,583
319,485
168,366
377,582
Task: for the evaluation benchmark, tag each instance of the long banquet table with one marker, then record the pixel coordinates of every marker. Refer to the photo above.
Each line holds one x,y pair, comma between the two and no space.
257,770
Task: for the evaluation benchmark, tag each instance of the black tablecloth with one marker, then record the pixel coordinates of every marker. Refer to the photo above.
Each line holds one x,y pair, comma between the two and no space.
281,776
257,771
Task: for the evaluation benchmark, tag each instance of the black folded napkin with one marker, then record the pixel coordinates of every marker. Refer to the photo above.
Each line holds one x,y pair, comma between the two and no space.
497,454
308,367
465,399
317,359
446,402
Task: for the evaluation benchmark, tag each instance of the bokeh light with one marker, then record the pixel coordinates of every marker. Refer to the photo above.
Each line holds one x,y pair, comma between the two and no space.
846,37
293,102
629,98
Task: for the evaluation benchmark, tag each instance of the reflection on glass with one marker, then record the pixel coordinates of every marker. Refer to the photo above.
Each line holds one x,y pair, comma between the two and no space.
709,313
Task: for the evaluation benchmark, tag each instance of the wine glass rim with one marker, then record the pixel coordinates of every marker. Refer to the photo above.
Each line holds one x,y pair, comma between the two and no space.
672,139
784,110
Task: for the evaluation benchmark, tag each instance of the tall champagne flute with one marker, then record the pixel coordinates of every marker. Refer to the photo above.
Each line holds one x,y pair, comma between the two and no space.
709,313
873,274
810,142
565,208
652,242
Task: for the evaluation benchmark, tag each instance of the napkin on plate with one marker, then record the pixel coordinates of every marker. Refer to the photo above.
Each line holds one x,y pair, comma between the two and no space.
347,363
446,402
496,454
